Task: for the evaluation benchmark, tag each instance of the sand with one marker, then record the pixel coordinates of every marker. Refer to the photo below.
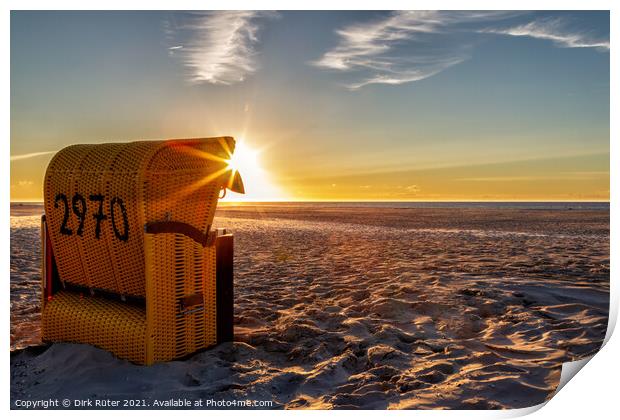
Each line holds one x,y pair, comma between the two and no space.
361,308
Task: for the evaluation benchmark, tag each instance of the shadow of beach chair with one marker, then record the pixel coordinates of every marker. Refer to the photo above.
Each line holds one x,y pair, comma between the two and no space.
131,262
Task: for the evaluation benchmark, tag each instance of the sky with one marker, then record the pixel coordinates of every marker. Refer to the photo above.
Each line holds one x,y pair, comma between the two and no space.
405,105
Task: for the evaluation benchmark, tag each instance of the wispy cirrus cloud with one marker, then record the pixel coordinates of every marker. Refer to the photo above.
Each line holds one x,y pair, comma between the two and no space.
396,76
555,30
217,47
409,46
30,155
405,46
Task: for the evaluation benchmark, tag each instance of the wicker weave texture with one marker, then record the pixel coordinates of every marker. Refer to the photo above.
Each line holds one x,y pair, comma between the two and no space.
106,323
98,199
163,329
178,267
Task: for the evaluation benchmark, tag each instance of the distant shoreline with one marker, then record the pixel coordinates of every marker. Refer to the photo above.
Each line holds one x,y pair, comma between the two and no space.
523,205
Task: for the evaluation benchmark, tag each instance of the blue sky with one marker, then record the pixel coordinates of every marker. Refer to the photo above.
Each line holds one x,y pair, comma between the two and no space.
342,105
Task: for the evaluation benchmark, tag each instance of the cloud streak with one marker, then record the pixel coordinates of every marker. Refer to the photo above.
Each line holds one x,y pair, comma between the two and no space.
218,47
403,47
409,46
566,176
554,30
396,77
30,155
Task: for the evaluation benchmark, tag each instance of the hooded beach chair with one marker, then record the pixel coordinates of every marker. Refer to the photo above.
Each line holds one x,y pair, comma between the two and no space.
131,263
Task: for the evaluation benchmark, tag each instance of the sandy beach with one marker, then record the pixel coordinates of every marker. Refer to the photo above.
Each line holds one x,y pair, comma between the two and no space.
360,307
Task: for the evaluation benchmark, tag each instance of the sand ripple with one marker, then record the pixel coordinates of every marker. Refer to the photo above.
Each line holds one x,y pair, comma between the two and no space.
345,314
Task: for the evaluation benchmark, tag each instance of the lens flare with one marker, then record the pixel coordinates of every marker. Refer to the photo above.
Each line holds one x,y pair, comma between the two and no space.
258,186
244,159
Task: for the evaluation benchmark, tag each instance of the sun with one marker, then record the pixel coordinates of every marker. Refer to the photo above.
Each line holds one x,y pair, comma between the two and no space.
257,182
244,159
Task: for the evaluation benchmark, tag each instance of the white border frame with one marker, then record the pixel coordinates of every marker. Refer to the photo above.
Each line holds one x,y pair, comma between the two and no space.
593,393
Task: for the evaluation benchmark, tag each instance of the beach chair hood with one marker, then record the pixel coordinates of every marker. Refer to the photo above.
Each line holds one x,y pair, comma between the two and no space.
99,199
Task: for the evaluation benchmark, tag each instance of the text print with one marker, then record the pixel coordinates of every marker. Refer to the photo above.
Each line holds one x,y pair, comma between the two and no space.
78,205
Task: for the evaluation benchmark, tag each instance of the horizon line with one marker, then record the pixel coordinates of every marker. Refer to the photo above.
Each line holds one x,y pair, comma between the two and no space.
382,201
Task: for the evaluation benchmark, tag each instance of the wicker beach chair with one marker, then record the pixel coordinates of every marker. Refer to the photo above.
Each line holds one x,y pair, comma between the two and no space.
131,262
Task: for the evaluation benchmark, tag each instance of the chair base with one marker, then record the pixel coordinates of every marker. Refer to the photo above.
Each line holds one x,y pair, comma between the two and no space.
109,324
190,306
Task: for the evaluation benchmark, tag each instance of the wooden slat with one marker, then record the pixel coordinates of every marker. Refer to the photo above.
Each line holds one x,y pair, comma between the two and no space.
224,252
